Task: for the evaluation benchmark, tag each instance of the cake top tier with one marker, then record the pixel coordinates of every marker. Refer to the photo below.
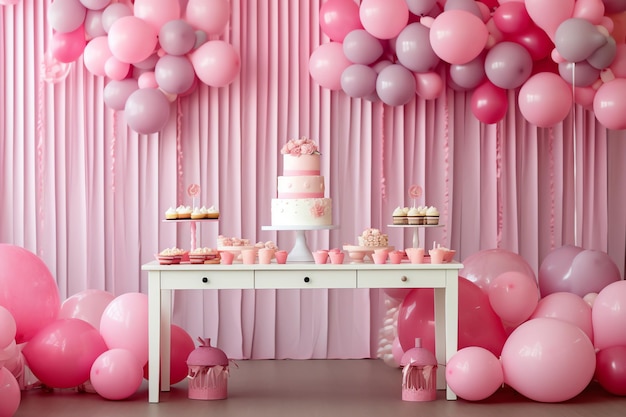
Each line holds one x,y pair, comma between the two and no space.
302,146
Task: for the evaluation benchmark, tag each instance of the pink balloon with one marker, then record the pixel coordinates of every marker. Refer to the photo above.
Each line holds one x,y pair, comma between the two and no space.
474,373
608,316
384,19
116,374
618,66
535,40
567,307
338,18
10,395
428,85
545,99
124,324
327,63
117,92
591,10
87,305
396,85
147,110
66,15
181,345
512,17
210,16
216,63
116,69
458,36
61,354
611,369
95,4
609,104
8,328
157,12
96,54
489,103
513,296
68,46
575,270
132,39
549,15
548,360
483,267
147,80
28,290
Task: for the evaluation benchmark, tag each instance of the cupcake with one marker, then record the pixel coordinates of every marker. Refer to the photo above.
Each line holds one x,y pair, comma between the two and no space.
171,214
413,215
213,213
184,212
432,216
421,215
197,214
399,215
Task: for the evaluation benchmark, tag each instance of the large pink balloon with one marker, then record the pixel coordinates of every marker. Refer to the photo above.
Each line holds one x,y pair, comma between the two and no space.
28,290
216,63
545,99
548,360
483,267
327,63
384,18
608,316
124,325
96,54
458,36
548,15
132,39
611,369
68,46
209,16
338,18
8,328
10,396
513,296
609,104
428,85
147,110
575,270
61,354
567,307
157,12
474,373
87,305
116,374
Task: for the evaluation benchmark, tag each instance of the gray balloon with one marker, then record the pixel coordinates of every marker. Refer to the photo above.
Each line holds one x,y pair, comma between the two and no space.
508,65
413,48
358,81
465,5
395,85
579,74
469,76
604,56
576,39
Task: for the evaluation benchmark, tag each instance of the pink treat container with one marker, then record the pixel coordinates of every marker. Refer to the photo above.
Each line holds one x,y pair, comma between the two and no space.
208,372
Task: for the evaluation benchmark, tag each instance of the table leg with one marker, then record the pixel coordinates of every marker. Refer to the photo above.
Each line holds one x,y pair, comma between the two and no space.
166,330
154,334
452,320
440,336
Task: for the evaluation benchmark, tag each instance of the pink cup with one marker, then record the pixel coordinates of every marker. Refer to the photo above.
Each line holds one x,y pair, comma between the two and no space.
320,256
416,255
248,256
436,256
336,257
281,256
396,256
226,258
380,257
265,255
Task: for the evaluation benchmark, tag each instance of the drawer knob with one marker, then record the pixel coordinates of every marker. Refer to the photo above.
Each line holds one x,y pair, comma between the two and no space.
307,279
205,279
404,278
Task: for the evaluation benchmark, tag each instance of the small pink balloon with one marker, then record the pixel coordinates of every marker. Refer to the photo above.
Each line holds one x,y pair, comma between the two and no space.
611,369
338,18
608,315
96,54
216,63
87,305
458,36
157,13
116,374
124,323
545,99
10,395
474,373
484,266
68,46
116,69
384,18
609,104
513,296
210,16
428,85
131,39
327,63
147,80
8,328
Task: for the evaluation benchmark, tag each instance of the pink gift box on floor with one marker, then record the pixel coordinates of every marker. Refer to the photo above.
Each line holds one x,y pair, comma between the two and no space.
208,372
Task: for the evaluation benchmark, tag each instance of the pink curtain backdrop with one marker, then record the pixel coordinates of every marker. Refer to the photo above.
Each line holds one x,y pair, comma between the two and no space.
88,195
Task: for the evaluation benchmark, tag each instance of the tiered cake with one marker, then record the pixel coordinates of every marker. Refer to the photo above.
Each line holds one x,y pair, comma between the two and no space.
300,190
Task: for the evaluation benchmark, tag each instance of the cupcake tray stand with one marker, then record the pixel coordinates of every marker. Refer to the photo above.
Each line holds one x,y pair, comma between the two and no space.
192,223
300,251
415,227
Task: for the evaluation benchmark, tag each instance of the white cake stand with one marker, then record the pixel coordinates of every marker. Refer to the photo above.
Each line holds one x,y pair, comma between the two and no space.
300,251
415,227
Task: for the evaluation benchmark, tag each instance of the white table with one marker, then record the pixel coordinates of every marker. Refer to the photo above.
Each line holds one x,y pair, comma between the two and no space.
162,279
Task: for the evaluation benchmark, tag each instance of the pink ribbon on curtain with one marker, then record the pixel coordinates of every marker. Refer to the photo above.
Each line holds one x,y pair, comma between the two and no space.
179,152
383,185
40,151
499,183
552,190
112,151
446,160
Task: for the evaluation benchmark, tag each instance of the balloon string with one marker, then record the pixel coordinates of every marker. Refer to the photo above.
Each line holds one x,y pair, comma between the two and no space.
499,183
179,150
112,151
40,151
383,186
552,190
574,146
446,159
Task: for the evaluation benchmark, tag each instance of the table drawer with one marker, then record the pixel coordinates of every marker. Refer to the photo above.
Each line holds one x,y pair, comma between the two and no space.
400,278
305,279
193,280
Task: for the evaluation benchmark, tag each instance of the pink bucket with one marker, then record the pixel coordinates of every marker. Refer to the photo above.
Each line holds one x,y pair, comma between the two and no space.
208,372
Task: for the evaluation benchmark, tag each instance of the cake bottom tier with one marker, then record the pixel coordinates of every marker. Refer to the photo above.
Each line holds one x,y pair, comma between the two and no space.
301,212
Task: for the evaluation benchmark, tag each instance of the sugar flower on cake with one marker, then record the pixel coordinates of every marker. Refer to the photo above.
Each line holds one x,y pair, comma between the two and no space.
302,146
318,209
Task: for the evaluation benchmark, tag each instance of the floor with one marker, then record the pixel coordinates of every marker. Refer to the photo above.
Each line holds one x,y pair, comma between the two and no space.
324,388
